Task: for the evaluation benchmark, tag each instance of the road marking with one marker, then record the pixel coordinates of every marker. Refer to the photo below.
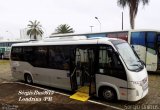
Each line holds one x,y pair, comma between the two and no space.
92,101
99,103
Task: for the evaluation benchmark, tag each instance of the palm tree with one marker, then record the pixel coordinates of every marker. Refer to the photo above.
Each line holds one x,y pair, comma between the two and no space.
63,28
133,8
34,29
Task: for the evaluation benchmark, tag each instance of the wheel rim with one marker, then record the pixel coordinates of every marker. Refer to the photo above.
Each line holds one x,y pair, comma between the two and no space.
108,94
29,79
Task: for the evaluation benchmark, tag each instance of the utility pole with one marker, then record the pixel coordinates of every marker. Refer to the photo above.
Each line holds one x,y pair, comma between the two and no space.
91,27
122,20
99,23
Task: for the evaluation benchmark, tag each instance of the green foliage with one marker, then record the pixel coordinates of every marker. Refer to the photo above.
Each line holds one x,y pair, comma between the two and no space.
133,8
64,28
34,29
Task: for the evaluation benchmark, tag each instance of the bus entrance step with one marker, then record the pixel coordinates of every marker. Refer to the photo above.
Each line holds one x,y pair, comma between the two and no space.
80,96
84,89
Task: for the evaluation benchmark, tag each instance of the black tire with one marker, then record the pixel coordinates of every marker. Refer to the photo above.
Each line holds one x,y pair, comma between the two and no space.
108,94
28,79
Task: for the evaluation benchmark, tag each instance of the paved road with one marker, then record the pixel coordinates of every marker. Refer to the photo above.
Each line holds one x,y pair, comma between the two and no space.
150,102
24,97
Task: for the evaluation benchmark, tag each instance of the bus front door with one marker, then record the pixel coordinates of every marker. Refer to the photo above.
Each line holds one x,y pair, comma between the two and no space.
82,70
73,80
92,70
73,69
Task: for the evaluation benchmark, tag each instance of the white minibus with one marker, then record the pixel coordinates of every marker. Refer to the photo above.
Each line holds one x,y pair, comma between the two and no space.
107,66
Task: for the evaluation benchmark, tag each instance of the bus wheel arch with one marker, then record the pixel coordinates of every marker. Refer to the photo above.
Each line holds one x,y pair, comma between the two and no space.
28,78
107,93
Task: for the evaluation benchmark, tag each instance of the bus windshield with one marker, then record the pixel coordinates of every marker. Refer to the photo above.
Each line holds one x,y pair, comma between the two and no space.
132,61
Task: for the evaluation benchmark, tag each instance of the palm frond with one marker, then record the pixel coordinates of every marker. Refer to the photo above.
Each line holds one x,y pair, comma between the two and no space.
34,29
64,28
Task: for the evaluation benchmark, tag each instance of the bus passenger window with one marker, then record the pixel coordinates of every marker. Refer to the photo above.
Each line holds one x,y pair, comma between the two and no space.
28,54
109,63
40,58
17,54
59,57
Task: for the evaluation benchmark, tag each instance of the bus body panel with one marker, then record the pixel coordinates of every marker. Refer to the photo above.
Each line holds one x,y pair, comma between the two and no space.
147,57
117,84
148,39
52,77
141,51
138,84
42,76
151,61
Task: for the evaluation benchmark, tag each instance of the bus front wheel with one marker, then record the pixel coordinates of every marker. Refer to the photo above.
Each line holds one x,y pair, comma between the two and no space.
108,94
28,78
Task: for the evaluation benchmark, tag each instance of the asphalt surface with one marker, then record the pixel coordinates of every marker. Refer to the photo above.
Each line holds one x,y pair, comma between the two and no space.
24,97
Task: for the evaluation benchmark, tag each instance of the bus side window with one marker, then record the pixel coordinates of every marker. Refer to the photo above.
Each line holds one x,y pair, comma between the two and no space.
28,54
17,54
40,57
51,58
59,57
110,64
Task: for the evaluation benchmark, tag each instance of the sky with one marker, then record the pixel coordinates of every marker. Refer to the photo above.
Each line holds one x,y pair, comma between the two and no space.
79,14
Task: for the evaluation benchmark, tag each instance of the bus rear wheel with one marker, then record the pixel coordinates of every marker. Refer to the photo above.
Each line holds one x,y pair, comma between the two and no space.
108,94
28,78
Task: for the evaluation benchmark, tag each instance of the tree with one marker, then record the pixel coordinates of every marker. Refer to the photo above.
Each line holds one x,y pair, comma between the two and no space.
34,29
63,28
133,8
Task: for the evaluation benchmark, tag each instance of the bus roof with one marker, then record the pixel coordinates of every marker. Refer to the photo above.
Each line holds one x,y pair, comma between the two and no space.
13,41
81,34
50,41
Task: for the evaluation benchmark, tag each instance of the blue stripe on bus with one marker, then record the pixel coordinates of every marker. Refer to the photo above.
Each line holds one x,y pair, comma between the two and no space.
138,38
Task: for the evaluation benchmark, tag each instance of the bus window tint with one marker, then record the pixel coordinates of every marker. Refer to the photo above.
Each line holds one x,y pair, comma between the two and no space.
28,54
110,64
59,57
40,57
17,54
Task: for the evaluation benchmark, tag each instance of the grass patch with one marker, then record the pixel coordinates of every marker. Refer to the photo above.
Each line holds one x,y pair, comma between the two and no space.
2,62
